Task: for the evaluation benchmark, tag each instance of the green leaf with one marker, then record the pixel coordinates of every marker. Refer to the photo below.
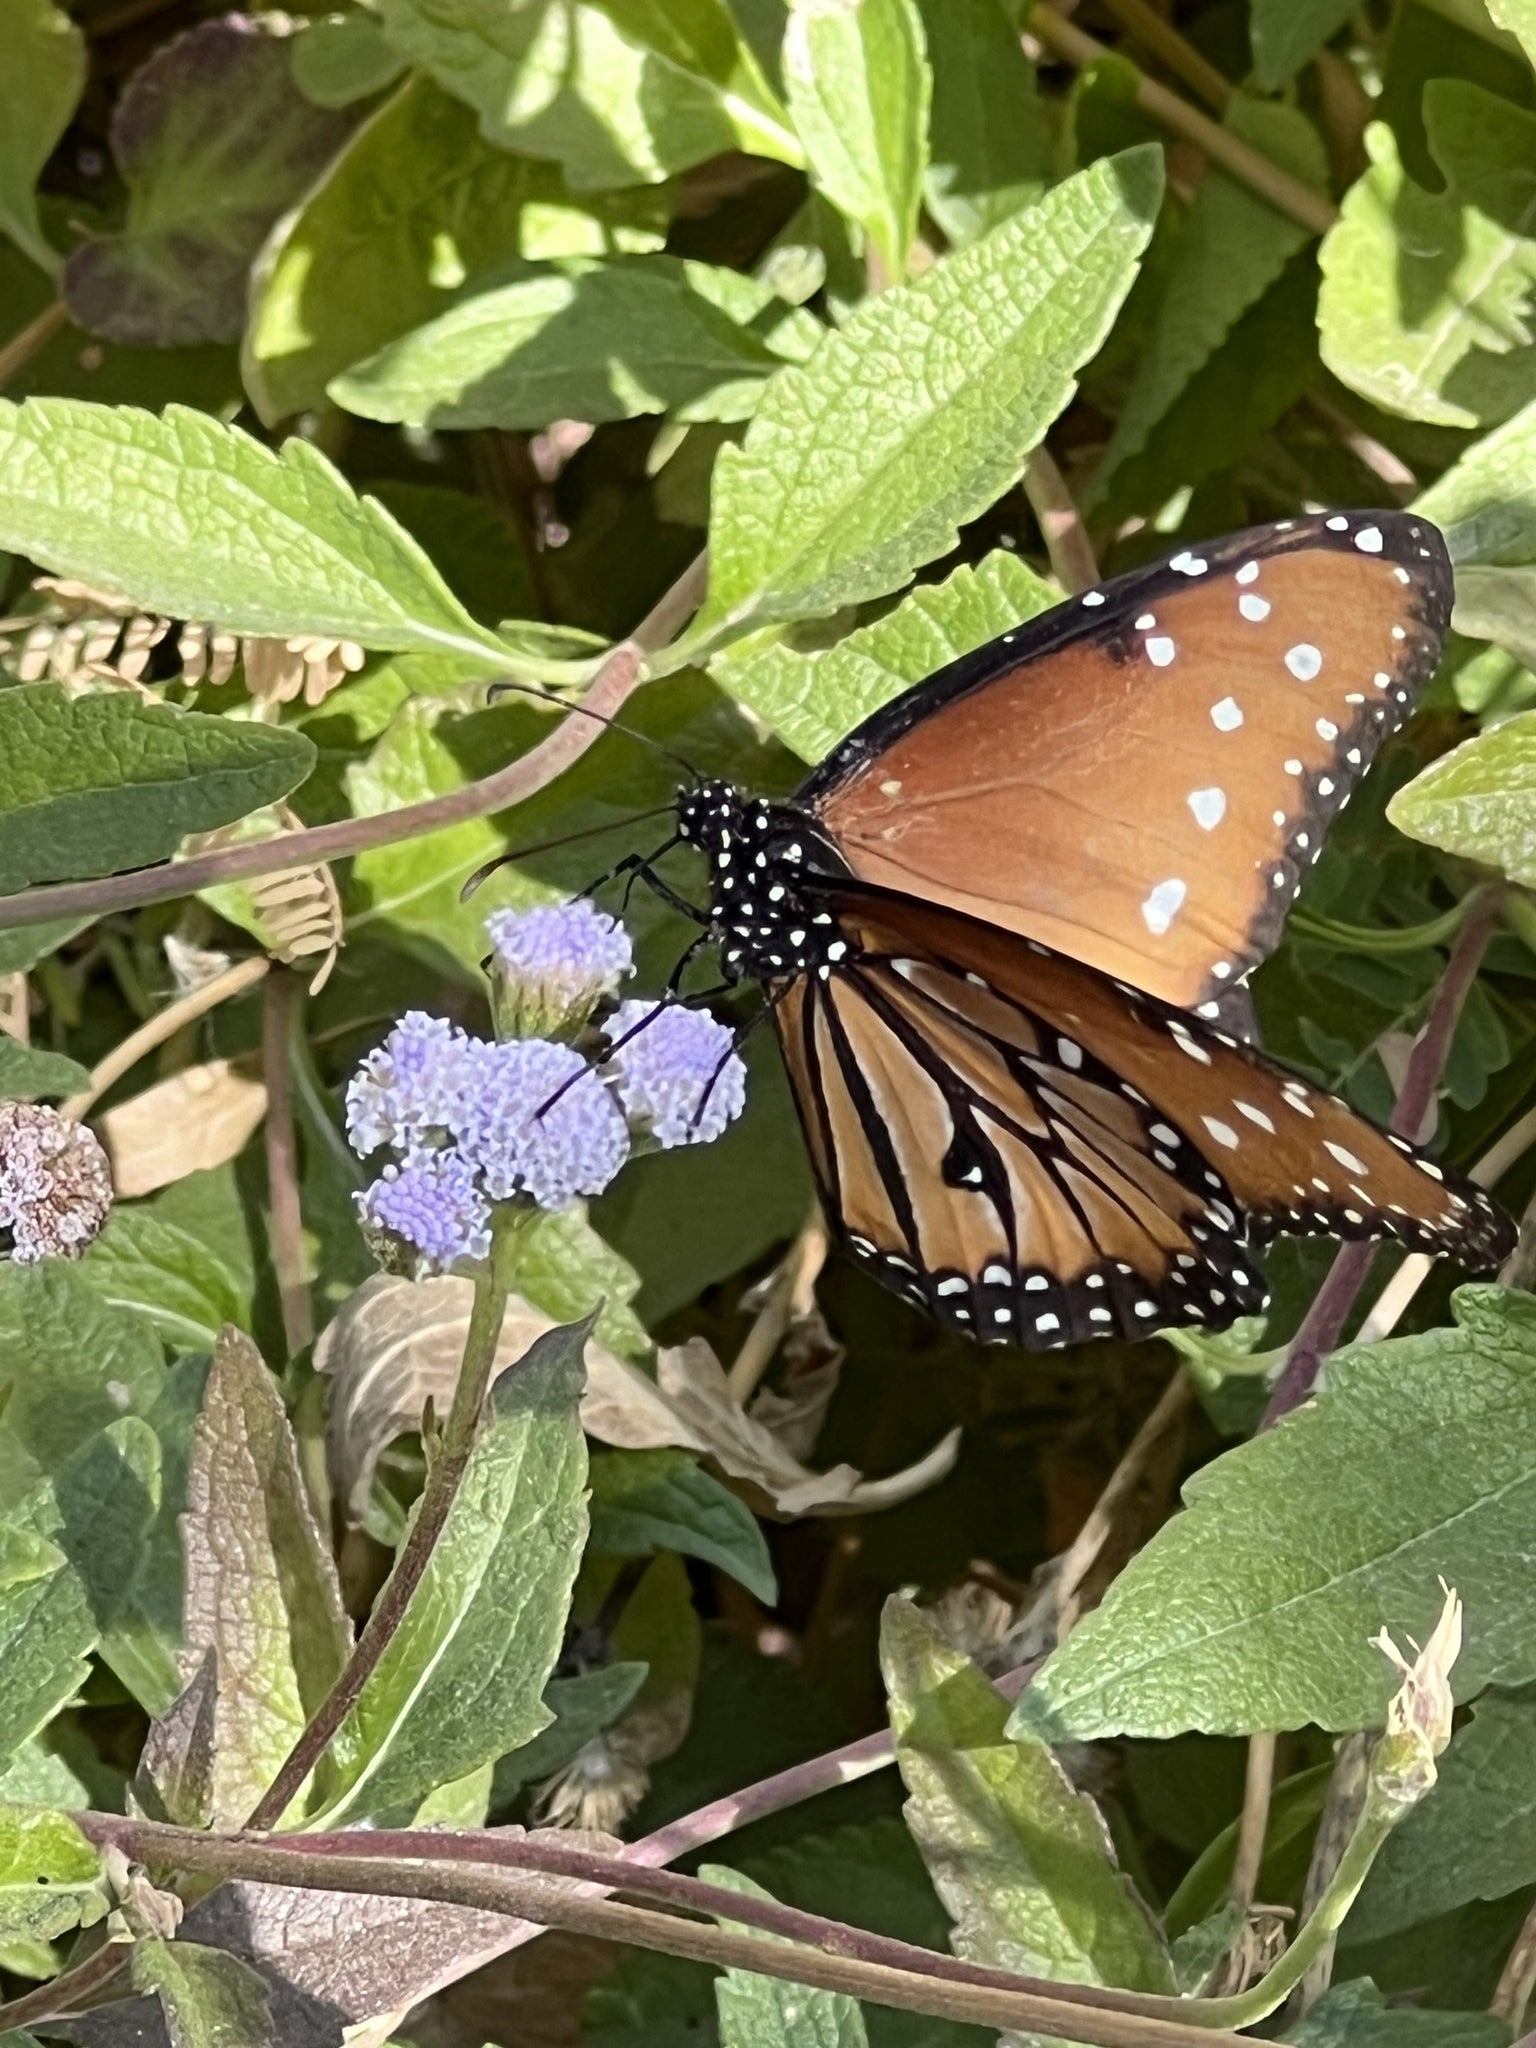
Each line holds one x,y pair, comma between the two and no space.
463,1677
1256,1607
339,59
27,1072
1485,503
814,696
212,143
770,2012
1356,2015
42,74
830,499
197,520
181,1261
989,136
50,1876
1022,1861
857,79
622,93
1517,18
92,785
579,1708
643,1501
1426,299
1479,800
69,1365
1233,247
1475,1839
585,340
414,206
1287,33
24,945
261,1589
95,1510
210,1999
1499,605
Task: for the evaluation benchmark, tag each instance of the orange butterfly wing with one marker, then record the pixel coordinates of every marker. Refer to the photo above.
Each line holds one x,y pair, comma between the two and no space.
1039,1154
1140,777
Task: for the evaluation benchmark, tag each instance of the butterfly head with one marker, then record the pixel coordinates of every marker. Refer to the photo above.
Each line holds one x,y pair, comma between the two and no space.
761,882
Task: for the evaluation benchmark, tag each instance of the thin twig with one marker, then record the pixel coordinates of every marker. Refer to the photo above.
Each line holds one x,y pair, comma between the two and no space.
1061,524
1258,1783
164,1025
493,1284
787,1293
1181,57
1285,193
1375,455
1080,1556
1391,1305
621,674
1347,1792
1517,1979
68,1992
281,1008
525,1896
30,340
1325,1320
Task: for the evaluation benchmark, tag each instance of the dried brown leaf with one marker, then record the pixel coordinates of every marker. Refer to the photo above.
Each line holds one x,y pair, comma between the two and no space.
396,1342
199,1118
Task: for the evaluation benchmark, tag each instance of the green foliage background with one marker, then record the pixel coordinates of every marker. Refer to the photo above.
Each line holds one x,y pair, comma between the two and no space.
438,340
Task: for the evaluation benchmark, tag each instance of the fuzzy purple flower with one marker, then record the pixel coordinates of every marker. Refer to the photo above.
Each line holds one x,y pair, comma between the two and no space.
574,1147
55,1183
408,1091
430,1210
553,964
677,1078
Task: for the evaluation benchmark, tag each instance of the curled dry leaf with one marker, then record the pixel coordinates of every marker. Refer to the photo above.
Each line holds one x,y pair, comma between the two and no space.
296,914
199,1118
397,1341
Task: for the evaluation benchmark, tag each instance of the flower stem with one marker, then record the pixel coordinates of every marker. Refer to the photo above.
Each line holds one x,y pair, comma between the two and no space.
928,1987
493,1284
1324,1321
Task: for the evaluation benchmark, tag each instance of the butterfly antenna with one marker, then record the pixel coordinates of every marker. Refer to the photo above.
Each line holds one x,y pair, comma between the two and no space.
500,860
546,696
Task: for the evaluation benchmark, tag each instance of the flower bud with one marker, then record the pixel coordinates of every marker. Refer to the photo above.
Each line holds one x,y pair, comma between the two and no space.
552,965
55,1183
1419,1716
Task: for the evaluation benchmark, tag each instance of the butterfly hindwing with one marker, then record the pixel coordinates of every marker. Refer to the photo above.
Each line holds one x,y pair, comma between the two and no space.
1038,1154
1140,777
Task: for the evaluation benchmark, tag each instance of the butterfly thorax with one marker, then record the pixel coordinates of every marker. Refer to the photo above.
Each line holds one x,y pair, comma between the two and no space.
765,861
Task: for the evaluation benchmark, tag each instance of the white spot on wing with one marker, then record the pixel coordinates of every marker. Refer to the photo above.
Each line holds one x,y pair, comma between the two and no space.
1209,807
1369,538
1304,661
1345,1159
1227,715
1222,1133
1249,573
1160,650
1162,906
1252,606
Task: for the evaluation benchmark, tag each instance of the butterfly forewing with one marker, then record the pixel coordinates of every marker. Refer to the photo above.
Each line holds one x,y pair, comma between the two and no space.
1040,1154
1140,777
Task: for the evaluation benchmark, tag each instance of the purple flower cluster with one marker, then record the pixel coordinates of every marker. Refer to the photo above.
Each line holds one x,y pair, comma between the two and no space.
677,1076
474,1122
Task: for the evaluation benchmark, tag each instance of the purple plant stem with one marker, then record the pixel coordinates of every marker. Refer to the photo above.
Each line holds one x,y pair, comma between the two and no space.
622,672
1324,1321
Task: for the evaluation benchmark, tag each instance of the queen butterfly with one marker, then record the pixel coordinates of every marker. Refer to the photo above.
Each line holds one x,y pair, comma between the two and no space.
1003,929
